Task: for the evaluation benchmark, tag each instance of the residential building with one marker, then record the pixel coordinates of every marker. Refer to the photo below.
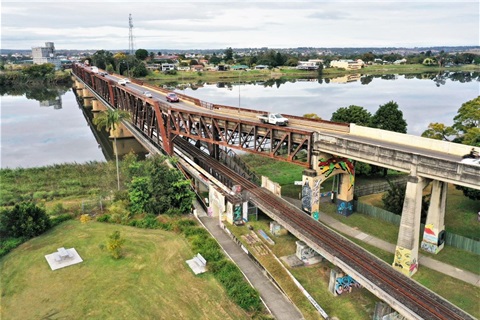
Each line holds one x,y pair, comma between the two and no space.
347,64
46,54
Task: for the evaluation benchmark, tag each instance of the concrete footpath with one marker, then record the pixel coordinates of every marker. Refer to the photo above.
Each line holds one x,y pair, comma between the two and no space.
430,263
278,304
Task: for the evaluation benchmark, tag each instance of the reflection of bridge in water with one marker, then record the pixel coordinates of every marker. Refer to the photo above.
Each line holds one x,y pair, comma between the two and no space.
124,145
325,149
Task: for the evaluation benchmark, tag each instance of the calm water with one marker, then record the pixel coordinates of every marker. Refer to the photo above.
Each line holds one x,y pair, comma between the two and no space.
420,100
37,133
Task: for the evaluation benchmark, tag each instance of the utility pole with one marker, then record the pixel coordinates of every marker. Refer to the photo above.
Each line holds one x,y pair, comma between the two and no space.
130,35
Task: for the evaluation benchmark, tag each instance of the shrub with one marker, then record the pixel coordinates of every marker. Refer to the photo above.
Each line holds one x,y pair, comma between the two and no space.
24,220
115,243
104,218
61,218
9,244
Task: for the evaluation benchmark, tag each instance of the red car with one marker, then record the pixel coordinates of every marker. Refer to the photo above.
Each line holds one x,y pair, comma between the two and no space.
172,97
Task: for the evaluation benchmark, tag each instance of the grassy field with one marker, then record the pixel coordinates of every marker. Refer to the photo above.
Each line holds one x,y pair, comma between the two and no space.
151,281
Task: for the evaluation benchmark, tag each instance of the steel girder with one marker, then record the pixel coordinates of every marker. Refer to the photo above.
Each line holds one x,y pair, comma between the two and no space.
161,122
282,143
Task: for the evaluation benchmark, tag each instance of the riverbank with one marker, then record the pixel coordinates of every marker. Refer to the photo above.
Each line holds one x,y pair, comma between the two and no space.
292,73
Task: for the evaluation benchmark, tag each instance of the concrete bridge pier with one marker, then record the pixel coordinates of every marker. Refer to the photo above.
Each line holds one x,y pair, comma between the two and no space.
87,102
97,106
434,233
406,252
78,85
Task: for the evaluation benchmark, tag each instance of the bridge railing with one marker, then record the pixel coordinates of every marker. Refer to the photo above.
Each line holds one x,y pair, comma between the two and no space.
401,160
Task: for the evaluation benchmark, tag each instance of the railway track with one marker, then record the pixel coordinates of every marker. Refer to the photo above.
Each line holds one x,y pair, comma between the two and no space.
422,302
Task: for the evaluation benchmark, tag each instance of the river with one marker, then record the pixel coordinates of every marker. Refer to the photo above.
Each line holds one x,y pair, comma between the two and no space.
52,129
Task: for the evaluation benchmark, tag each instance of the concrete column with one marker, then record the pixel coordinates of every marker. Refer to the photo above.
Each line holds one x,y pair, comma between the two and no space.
406,252
79,85
344,198
87,101
86,93
97,105
434,233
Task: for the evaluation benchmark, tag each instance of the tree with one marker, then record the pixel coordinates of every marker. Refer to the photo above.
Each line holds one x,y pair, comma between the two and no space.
109,120
114,244
228,54
389,117
169,191
24,220
140,70
439,131
467,122
394,199
102,59
141,54
352,114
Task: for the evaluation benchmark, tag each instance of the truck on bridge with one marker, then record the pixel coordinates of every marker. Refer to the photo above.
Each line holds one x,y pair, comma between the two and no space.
273,118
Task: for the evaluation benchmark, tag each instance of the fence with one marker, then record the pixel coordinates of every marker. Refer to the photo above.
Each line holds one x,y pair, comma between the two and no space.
451,239
371,188
93,206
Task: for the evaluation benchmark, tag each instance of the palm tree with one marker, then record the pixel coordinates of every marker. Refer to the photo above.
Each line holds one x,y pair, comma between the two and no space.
109,120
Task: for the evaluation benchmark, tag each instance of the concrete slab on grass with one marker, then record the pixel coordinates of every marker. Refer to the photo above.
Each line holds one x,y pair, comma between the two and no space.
55,261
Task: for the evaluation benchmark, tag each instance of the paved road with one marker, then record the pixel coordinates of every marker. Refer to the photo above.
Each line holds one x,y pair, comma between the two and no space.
278,304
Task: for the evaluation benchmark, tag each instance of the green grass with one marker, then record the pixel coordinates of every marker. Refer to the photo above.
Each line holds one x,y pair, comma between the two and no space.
358,304
151,281
461,294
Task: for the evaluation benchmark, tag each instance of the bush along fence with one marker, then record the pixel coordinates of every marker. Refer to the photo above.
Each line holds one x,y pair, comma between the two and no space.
451,239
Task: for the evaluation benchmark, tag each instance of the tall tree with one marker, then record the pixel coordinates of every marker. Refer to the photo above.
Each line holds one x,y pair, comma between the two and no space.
352,114
228,54
141,54
109,120
102,59
439,131
389,117
467,122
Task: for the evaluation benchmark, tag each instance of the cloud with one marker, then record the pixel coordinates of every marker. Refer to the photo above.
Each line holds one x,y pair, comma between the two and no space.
275,24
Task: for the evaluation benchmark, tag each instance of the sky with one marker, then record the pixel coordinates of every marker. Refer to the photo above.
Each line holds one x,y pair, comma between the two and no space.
174,24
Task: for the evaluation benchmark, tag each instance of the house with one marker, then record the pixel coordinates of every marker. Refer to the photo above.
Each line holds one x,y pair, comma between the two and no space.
197,67
168,66
401,61
347,64
307,65
261,67
240,67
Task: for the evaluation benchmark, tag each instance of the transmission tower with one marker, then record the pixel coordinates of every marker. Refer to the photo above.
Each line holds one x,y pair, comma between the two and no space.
130,35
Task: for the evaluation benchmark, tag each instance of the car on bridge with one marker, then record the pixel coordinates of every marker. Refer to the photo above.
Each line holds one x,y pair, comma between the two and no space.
470,161
123,81
172,97
147,94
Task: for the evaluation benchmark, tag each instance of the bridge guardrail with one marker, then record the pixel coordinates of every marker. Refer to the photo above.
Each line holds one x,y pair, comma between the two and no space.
405,161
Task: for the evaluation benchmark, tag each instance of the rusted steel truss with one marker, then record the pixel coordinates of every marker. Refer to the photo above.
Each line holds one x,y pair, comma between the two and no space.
283,143
161,121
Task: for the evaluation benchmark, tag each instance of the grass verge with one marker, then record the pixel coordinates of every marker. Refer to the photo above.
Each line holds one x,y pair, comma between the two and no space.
151,281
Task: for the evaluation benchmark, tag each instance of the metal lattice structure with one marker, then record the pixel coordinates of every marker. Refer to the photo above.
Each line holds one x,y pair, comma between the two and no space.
130,35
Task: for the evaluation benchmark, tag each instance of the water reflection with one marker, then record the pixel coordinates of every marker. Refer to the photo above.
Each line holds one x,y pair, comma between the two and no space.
45,125
438,77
